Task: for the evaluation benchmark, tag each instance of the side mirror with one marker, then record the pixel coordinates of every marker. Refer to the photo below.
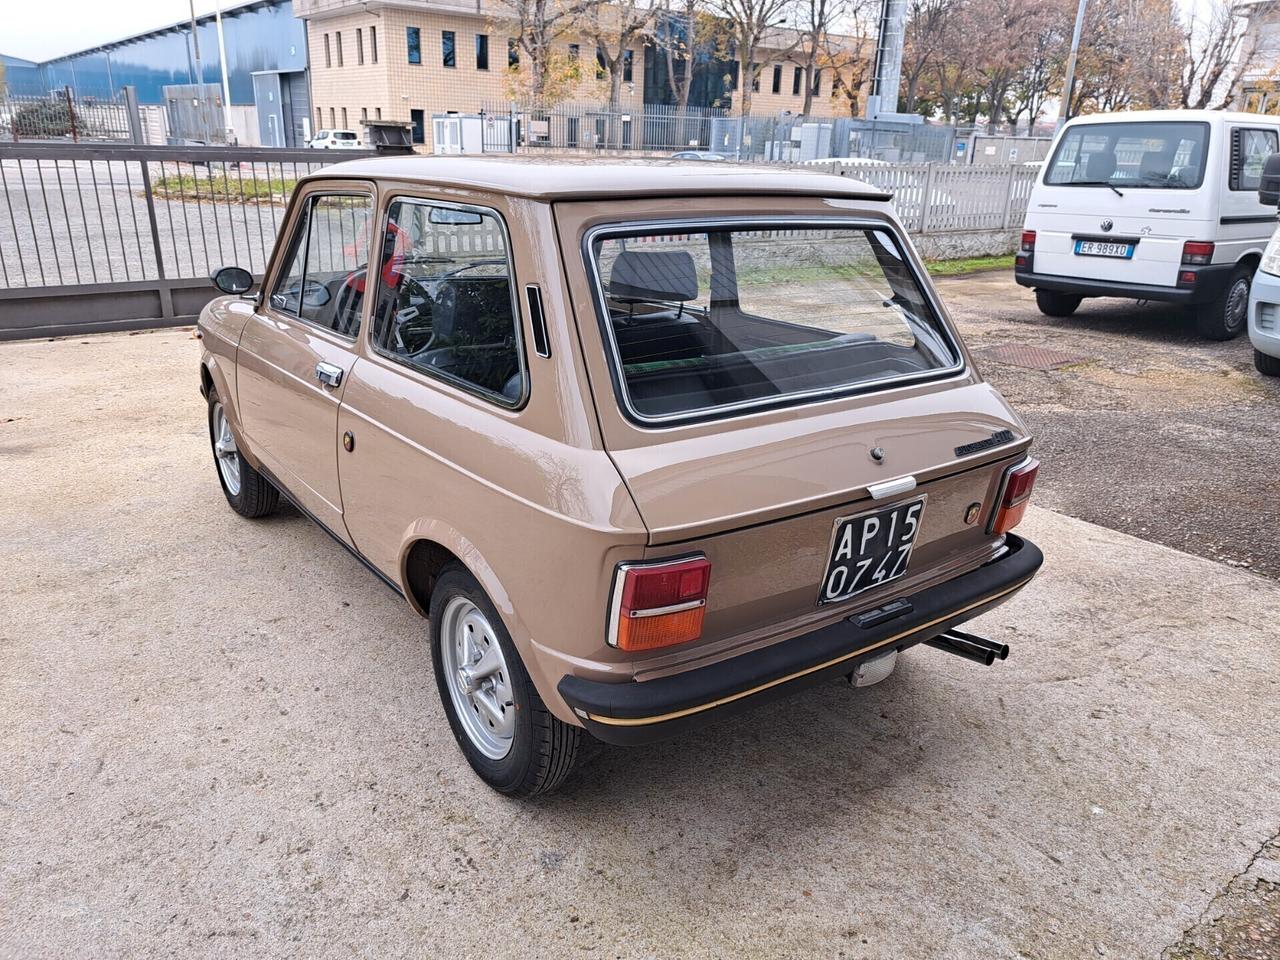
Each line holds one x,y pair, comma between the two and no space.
1269,184
232,280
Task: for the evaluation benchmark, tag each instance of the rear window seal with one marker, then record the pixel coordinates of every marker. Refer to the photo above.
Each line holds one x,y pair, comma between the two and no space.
746,408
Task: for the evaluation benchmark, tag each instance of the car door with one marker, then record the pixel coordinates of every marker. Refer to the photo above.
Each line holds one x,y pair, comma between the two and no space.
1245,225
298,349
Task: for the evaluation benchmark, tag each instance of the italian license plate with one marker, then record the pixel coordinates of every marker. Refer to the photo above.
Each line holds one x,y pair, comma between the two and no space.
870,549
1103,248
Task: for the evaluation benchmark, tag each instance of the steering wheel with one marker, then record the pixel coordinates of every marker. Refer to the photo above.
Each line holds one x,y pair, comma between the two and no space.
409,287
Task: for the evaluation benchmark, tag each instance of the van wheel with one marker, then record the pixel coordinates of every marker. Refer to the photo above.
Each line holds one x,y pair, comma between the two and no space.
1266,364
510,738
249,492
1055,304
1224,318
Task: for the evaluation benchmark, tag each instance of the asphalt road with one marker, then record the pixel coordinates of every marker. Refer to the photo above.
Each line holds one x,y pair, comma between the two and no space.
1152,430
220,738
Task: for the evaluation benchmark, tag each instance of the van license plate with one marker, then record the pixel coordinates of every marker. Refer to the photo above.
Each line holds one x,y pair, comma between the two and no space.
1102,248
870,549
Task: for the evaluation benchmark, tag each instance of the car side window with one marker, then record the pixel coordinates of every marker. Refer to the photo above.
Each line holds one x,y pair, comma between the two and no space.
1249,151
445,303
323,279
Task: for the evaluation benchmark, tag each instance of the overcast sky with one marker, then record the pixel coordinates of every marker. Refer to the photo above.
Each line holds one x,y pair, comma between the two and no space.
43,29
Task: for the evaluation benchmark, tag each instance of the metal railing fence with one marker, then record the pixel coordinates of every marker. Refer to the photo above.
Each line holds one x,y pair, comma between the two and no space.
62,116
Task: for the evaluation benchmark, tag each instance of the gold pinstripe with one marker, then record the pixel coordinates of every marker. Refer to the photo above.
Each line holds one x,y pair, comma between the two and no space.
687,711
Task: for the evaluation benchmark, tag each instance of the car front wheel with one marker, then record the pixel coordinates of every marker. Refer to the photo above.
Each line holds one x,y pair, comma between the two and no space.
249,492
510,738
1224,318
1266,364
1055,304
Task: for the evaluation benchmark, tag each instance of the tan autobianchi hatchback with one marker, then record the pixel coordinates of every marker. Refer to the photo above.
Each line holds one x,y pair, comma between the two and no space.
646,443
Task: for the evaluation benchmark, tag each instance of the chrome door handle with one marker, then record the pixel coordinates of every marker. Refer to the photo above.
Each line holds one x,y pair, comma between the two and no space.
329,374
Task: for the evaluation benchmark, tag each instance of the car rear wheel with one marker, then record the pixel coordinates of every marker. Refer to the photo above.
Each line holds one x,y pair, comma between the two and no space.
1266,364
510,738
1224,318
1052,303
249,492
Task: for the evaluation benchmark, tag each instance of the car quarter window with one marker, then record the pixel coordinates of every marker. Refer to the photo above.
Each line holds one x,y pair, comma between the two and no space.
445,304
323,277
1249,151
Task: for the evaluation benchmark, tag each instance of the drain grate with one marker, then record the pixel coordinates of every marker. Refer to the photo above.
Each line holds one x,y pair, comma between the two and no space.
1026,355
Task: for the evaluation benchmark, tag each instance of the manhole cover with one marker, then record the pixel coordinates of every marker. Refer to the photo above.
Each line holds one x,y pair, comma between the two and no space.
1026,355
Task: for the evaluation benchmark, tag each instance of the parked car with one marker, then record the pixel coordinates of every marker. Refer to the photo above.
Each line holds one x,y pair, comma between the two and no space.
336,140
1152,205
647,445
1264,294
699,155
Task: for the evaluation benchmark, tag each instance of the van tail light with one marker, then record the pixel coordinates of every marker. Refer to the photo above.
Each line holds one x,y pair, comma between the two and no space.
1028,241
1197,252
1015,495
658,604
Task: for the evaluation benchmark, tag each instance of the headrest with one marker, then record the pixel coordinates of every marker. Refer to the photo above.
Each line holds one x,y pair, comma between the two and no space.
654,275
1154,164
1100,166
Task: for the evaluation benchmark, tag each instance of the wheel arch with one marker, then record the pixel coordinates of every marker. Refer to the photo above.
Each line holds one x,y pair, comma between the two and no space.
429,546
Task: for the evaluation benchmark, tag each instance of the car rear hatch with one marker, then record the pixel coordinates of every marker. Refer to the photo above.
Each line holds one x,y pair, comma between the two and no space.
762,493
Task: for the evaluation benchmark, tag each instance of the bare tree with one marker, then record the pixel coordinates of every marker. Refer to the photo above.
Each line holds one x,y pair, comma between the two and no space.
750,23
538,24
925,37
615,27
1213,58
1040,73
814,25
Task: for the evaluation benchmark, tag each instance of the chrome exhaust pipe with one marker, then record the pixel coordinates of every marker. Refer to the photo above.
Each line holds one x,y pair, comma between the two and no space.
1001,650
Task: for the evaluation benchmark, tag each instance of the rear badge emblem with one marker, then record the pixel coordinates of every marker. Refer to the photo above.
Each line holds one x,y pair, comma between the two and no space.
1106,226
997,438
971,513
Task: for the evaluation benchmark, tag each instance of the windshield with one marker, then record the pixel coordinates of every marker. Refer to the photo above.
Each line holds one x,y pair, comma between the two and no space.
1137,154
701,319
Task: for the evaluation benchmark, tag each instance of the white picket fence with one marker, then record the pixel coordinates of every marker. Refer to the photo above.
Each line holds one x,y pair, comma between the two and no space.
943,198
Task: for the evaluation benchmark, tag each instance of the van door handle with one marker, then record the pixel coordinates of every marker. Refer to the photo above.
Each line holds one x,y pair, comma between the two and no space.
329,374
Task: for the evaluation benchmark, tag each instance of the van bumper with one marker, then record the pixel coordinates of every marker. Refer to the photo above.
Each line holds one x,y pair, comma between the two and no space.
1211,280
1264,327
633,712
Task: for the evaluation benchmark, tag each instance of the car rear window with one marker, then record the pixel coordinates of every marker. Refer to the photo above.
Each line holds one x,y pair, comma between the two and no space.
343,135
702,321
1144,154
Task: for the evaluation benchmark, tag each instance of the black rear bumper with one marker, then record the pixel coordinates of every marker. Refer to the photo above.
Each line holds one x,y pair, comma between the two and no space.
633,712
1210,281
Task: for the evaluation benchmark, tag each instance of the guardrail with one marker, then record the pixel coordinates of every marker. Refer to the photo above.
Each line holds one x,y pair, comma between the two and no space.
112,234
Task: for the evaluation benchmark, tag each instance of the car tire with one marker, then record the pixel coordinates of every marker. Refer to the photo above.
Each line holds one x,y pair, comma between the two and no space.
1266,364
520,753
1052,303
250,493
1224,318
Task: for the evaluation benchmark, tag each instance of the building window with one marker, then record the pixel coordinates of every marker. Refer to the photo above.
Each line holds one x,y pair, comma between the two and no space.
628,62
513,55
359,47
344,119
337,42
319,121
482,51
373,44
418,119
364,114
602,64
413,36
333,117
817,82
328,61
575,52
448,51
755,77
777,79
796,80
377,113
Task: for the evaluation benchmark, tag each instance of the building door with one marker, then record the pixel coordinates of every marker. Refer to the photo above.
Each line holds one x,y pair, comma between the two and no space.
271,116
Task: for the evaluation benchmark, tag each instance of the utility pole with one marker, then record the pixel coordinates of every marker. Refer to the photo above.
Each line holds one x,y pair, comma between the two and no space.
1065,106
201,106
226,83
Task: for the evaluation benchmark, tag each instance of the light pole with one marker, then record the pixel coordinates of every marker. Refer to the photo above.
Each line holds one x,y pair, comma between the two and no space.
1065,106
226,83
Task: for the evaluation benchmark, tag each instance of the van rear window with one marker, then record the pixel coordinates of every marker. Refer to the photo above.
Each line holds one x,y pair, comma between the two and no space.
1144,154
709,320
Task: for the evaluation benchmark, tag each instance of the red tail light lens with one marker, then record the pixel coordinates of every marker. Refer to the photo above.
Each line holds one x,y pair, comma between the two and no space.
1028,241
1197,252
1016,495
659,604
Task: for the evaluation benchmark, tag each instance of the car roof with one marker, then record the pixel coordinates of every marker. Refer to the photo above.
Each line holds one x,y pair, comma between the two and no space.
574,179
1184,116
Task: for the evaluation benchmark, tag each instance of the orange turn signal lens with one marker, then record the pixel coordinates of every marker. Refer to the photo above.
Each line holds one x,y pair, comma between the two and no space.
661,630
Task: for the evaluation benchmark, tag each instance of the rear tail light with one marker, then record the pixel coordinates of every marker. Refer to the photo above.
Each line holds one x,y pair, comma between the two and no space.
1015,495
1197,252
658,604
1028,241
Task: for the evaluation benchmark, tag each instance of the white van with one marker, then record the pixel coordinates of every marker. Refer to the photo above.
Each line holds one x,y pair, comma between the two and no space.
1152,205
